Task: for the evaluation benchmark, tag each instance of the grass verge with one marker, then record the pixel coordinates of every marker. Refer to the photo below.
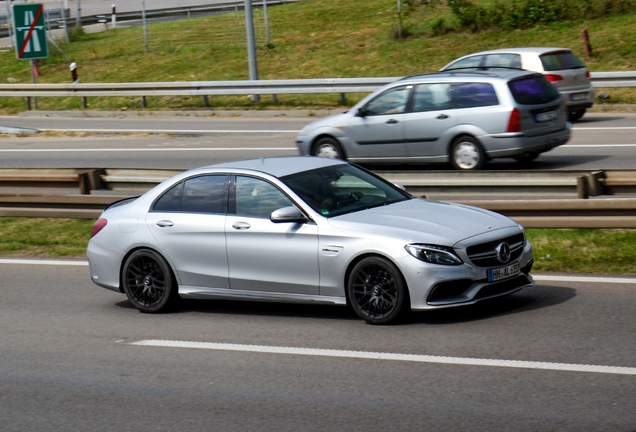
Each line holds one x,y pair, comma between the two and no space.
601,251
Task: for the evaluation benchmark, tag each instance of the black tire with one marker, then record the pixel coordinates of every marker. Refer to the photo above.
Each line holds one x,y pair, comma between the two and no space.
467,155
576,115
329,148
528,157
377,291
149,282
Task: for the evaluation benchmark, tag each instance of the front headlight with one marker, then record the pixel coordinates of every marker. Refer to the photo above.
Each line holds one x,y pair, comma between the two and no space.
434,254
523,231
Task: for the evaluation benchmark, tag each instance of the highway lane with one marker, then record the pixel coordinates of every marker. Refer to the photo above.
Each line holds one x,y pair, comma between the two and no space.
600,141
69,362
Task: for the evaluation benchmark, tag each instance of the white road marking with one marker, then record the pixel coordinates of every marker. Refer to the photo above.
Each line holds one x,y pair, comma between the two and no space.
43,262
549,278
151,149
604,128
520,364
188,131
595,145
537,277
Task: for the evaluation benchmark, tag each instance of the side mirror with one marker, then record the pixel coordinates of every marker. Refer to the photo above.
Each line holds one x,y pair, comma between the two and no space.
288,214
362,112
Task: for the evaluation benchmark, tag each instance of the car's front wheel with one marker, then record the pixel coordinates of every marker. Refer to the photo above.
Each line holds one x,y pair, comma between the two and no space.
466,154
328,148
377,291
576,115
149,282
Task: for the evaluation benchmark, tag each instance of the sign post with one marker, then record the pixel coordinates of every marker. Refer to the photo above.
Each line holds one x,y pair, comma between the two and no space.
30,36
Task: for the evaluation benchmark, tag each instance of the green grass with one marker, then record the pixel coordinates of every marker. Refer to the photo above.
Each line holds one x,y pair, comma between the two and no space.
311,39
556,250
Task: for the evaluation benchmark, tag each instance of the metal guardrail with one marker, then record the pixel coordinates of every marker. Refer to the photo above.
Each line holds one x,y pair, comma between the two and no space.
54,15
526,192
242,87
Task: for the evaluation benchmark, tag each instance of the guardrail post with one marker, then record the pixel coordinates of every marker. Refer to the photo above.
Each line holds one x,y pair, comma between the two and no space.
28,103
95,178
143,101
84,183
343,99
206,101
581,187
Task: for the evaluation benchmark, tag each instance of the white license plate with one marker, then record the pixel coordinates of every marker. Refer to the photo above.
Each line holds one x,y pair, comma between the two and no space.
503,272
545,116
578,96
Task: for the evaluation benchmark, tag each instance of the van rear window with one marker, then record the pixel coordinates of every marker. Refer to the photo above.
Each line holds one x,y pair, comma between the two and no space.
533,90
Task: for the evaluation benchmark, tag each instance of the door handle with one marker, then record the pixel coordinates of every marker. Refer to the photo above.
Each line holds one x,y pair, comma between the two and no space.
164,223
241,225
442,116
392,121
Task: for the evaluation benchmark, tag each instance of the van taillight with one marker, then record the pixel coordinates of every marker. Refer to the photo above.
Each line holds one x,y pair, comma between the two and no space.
99,225
514,124
587,75
554,78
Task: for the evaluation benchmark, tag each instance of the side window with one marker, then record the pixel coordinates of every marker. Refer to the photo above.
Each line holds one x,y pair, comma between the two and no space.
258,198
431,97
470,95
503,60
467,63
205,194
170,200
390,102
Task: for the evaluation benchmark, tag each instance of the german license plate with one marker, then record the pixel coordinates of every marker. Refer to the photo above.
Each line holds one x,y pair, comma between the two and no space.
503,272
545,116
578,96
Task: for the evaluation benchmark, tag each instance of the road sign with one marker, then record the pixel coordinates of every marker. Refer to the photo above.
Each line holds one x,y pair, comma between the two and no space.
30,31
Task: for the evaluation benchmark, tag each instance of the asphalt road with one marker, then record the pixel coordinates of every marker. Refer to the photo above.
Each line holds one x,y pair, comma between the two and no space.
69,361
600,141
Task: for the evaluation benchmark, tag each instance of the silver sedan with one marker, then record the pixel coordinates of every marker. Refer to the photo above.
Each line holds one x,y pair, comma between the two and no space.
304,230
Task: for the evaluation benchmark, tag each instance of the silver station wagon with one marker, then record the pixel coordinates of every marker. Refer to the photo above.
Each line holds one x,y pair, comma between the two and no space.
560,66
465,118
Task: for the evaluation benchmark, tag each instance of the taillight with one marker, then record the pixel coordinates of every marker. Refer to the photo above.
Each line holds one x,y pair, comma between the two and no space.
514,124
587,75
99,225
554,78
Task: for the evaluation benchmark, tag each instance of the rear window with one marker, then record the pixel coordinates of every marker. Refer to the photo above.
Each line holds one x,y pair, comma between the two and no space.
533,90
560,60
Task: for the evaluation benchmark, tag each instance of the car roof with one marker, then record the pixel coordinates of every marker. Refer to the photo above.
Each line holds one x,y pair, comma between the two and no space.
462,75
524,50
278,166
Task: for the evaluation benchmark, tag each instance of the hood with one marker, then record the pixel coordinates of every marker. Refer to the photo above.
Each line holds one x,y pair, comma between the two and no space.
329,121
419,220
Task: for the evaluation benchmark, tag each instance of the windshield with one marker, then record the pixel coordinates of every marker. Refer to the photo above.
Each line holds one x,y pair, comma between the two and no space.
336,190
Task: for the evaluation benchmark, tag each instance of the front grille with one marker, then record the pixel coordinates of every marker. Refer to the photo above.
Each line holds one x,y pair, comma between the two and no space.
485,254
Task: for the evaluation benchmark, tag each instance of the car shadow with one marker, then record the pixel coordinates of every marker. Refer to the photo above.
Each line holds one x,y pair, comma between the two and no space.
537,297
586,119
528,299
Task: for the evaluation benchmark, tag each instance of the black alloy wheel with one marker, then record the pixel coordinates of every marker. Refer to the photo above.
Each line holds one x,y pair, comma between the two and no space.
149,282
377,291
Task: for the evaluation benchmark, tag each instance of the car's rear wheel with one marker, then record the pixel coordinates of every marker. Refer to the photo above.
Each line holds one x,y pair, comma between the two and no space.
328,148
466,154
149,282
576,115
377,291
